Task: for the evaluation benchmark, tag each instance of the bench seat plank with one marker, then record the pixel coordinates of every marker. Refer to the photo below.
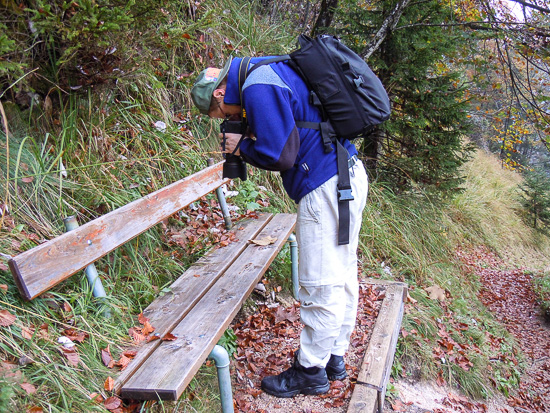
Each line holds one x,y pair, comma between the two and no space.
376,367
167,372
168,310
39,269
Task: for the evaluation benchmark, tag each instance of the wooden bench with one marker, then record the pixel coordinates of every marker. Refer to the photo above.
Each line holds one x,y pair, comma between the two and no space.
370,389
199,305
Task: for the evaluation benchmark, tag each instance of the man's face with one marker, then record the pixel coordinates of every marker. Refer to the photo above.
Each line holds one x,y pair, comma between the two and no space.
220,110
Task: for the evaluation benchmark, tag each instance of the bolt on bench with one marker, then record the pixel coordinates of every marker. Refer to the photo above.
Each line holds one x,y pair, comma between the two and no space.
199,305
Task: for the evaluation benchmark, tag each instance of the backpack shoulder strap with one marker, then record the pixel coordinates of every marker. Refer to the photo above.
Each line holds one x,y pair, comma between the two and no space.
274,59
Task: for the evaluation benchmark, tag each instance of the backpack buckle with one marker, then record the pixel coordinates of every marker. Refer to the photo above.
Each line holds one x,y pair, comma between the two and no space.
358,81
314,99
344,194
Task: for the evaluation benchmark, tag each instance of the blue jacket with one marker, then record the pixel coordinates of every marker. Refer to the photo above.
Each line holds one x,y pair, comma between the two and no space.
275,97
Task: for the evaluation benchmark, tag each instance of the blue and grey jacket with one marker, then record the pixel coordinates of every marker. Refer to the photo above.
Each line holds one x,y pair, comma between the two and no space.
274,98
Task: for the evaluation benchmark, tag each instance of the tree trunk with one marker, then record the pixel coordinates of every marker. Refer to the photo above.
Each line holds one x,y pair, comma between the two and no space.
324,20
370,149
389,24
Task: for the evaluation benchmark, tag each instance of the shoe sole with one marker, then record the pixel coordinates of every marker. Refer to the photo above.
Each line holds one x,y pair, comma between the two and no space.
309,391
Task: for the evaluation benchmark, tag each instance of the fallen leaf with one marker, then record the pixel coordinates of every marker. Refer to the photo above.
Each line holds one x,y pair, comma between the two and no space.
398,406
109,384
153,338
142,319
29,388
6,318
43,331
96,397
264,241
71,355
27,332
147,329
169,337
75,335
106,356
410,299
4,286
130,353
135,333
435,292
112,403
35,409
123,362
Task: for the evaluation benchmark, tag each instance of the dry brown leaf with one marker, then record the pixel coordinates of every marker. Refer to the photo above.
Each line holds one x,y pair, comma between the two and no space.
410,299
142,319
43,331
27,332
96,397
136,334
109,384
435,292
112,403
71,355
75,335
67,307
123,362
264,241
147,329
6,318
106,356
29,388
35,409
169,337
153,338
130,353
3,287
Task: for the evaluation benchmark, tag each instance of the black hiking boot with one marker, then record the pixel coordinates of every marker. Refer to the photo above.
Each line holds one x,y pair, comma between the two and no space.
296,380
336,368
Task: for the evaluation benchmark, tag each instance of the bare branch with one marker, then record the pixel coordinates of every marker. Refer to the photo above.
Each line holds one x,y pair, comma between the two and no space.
389,24
532,6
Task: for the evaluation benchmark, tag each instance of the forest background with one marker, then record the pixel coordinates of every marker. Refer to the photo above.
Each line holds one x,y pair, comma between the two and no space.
95,113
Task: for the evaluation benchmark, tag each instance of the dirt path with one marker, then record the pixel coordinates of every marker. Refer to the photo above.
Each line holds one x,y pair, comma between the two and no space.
268,337
509,295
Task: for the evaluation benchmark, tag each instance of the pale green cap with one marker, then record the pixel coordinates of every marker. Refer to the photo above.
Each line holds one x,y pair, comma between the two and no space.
208,81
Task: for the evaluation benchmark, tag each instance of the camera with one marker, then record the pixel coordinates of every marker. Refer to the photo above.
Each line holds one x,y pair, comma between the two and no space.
234,166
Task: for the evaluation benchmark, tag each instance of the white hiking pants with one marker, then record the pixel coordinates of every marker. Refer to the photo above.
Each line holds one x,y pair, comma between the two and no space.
329,289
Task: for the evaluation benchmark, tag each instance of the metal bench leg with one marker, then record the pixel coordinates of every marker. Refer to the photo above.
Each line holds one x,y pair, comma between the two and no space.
221,200
221,358
91,272
294,263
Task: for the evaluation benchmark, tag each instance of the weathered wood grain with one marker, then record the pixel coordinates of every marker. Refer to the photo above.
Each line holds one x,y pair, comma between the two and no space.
168,310
39,269
363,400
376,367
166,373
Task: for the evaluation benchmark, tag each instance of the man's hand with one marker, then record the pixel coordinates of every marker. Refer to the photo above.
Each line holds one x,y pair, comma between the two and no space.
232,140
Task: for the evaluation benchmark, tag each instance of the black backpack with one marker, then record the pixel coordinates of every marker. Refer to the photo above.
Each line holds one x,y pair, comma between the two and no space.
352,100
350,96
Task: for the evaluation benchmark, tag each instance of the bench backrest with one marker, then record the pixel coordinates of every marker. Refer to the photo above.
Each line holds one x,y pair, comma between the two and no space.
40,268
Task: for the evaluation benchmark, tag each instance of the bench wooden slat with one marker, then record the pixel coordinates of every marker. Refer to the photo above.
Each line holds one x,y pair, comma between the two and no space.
167,372
167,311
39,269
376,366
